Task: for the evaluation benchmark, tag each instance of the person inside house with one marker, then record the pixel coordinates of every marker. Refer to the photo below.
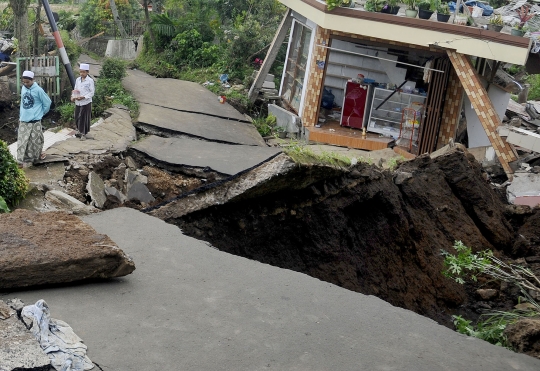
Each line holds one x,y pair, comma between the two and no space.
82,96
35,103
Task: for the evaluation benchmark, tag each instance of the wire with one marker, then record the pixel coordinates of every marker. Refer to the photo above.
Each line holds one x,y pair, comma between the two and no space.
380,58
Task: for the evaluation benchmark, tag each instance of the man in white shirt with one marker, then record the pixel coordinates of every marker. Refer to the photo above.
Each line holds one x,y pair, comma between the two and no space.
82,96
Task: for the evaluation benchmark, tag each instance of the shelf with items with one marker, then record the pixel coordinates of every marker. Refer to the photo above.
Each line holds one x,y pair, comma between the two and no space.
410,127
387,119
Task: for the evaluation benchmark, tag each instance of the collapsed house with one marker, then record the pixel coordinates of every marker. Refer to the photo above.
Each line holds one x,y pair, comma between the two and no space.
371,80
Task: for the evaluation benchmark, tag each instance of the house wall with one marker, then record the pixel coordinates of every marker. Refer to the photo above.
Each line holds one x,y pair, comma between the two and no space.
451,111
313,88
476,132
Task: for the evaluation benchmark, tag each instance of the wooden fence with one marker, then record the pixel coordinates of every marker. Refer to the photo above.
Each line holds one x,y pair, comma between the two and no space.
46,73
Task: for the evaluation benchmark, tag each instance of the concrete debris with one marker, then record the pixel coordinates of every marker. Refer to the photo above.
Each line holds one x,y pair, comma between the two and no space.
138,191
96,190
19,350
524,189
118,197
63,201
130,163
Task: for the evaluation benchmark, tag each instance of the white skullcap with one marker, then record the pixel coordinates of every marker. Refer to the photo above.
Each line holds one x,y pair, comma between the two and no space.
84,66
28,74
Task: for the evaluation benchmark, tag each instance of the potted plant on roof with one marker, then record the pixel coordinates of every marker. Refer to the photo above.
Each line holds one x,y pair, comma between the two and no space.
331,4
496,23
391,7
374,5
443,13
524,16
411,11
424,11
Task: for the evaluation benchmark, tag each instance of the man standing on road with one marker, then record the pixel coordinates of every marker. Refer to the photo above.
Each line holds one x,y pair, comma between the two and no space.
82,96
35,103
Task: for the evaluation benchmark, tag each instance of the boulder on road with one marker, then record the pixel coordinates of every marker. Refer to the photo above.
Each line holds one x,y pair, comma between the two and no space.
55,247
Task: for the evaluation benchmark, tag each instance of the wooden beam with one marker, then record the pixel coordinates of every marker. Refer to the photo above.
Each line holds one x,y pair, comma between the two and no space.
483,107
279,37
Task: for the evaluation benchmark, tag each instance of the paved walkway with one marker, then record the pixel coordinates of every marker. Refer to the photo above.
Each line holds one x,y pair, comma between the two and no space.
188,306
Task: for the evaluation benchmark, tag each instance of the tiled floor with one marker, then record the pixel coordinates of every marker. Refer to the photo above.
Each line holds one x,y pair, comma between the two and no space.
331,132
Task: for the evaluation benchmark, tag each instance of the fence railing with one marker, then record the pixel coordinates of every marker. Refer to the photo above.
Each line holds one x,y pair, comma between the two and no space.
134,28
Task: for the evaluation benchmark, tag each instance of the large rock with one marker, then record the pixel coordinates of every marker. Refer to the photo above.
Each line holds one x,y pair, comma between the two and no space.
524,336
19,350
96,190
56,247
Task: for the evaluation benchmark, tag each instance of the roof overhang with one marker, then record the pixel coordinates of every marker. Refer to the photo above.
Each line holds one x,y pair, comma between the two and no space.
462,39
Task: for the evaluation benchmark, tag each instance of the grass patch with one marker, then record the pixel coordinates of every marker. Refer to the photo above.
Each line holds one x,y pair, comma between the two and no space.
301,153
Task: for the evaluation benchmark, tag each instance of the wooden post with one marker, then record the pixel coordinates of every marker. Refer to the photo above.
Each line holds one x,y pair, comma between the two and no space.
279,37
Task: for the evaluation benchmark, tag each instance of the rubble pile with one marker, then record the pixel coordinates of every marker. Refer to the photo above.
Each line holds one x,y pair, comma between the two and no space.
109,181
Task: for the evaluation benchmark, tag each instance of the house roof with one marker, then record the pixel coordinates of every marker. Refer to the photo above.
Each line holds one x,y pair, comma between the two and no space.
462,39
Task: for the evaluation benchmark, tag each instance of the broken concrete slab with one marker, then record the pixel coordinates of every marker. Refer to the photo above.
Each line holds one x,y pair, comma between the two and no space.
140,192
49,174
19,350
113,135
159,120
131,163
287,319
177,94
248,185
96,189
29,256
64,202
524,189
524,138
118,196
222,158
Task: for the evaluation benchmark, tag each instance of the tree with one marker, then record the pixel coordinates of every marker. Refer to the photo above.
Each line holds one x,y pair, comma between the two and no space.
20,12
117,19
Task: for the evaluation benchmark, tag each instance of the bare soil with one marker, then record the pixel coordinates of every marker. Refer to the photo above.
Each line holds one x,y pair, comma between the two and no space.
364,232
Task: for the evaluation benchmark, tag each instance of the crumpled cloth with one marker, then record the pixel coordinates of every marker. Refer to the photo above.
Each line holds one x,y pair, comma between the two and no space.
57,339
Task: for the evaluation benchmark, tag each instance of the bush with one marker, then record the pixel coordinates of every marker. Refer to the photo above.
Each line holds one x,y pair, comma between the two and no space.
189,49
66,112
73,49
110,92
113,68
534,91
13,182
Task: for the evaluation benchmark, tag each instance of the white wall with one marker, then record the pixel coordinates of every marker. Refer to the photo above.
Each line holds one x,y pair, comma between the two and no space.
475,131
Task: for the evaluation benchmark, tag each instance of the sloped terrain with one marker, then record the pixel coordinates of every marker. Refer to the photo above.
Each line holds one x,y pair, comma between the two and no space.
373,231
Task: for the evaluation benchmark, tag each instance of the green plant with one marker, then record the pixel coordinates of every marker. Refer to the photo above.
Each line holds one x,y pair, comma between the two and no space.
265,125
331,4
73,49
110,92
496,20
113,68
66,111
534,90
443,9
374,5
467,264
13,182
394,162
411,4
3,206
424,5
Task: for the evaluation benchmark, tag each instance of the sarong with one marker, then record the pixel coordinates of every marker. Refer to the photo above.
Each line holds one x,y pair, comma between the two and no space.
83,115
29,141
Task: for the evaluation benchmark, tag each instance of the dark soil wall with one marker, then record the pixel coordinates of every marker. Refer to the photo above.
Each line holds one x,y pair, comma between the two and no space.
374,232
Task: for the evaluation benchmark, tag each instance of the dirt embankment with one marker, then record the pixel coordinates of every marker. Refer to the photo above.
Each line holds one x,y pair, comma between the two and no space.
375,232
